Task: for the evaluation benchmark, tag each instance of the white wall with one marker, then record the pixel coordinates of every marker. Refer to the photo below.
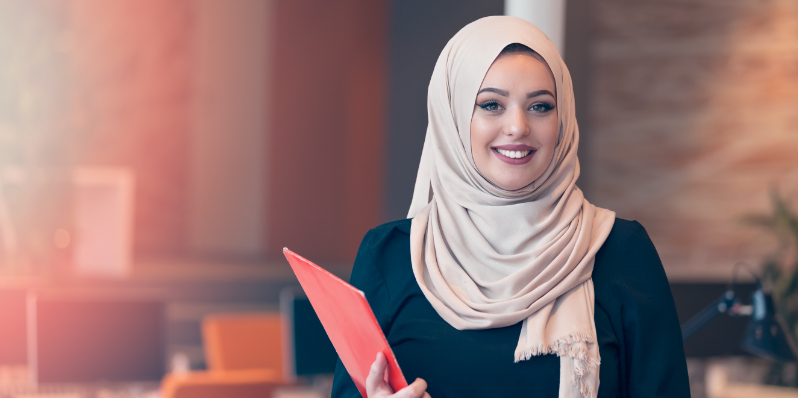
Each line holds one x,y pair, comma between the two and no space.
548,15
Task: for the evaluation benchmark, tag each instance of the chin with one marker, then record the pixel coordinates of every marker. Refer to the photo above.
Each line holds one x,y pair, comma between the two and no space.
509,178
512,185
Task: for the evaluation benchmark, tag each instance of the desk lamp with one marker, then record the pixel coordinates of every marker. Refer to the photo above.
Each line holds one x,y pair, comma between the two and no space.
767,335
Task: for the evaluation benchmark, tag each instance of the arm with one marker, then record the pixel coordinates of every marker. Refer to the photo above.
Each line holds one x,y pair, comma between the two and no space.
366,277
653,351
343,386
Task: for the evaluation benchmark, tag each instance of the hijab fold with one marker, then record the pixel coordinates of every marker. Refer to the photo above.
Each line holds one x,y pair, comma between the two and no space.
486,257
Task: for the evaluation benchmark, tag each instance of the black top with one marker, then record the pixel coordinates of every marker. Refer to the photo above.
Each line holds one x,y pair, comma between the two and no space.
640,342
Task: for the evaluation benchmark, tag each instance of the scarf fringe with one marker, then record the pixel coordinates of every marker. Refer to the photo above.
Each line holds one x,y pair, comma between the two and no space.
567,346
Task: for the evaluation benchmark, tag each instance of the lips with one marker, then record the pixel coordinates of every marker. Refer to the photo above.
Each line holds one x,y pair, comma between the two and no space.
515,147
514,154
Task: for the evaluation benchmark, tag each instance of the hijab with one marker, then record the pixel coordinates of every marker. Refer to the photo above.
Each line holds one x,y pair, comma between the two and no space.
486,257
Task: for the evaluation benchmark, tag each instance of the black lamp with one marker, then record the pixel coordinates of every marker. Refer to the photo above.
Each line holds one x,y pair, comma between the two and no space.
767,335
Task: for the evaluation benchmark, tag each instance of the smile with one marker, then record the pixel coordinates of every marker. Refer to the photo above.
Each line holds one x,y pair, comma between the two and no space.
513,157
513,154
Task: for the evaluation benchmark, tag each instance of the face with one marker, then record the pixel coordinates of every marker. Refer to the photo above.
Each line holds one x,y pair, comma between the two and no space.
514,125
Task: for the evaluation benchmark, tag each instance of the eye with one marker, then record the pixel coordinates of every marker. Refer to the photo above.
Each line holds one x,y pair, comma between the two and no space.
490,106
541,107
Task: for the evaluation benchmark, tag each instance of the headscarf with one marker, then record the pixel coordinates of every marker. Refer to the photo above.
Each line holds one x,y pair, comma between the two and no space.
486,257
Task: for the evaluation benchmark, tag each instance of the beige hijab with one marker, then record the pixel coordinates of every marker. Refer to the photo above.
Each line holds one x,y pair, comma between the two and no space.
486,257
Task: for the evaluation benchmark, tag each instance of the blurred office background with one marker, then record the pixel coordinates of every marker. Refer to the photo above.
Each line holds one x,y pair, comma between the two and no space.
168,150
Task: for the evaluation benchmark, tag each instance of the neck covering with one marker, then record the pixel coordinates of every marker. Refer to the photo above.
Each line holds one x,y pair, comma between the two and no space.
486,257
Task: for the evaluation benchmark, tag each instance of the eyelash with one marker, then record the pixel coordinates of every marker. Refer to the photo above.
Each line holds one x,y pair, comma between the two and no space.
487,104
546,106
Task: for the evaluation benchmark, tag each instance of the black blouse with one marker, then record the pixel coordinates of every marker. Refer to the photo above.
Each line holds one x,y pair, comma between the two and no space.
638,332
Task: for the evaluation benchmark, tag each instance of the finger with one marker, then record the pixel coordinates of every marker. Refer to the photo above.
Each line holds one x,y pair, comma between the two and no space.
375,381
416,390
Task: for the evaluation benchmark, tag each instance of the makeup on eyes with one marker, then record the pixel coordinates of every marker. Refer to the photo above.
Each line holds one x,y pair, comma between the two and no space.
491,106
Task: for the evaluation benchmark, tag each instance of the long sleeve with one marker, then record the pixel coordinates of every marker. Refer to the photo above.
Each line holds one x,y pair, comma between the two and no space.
635,293
636,324
366,277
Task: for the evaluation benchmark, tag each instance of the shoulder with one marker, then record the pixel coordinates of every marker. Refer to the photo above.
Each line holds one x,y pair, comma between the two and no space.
628,240
401,226
628,257
382,267
387,236
625,234
386,247
628,272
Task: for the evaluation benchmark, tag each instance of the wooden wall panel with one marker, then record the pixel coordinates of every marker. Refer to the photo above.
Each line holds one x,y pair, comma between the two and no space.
326,142
694,121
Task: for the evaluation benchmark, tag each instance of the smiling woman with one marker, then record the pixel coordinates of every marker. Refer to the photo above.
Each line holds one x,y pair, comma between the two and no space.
515,124
505,281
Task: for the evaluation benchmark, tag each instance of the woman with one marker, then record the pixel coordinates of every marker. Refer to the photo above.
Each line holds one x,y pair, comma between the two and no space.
506,282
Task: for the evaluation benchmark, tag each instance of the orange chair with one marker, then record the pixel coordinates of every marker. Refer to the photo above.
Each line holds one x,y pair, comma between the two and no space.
244,355
238,384
243,341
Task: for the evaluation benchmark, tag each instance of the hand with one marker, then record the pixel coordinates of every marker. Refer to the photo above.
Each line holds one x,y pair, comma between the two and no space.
377,386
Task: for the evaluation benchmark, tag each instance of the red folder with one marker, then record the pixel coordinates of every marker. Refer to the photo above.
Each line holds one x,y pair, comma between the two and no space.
348,320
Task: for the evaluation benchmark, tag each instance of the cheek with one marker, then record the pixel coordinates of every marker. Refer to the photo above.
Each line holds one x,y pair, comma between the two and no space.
551,131
480,130
546,135
481,136
546,130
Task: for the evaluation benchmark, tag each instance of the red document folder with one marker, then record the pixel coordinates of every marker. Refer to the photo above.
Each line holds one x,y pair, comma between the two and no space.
348,320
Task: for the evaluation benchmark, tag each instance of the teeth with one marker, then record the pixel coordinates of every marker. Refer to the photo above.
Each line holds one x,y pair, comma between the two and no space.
513,154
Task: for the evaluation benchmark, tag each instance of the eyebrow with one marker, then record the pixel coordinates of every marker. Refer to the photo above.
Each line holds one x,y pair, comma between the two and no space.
504,93
494,90
539,92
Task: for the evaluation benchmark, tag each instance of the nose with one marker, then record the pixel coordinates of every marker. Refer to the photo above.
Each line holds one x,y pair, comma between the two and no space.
517,123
